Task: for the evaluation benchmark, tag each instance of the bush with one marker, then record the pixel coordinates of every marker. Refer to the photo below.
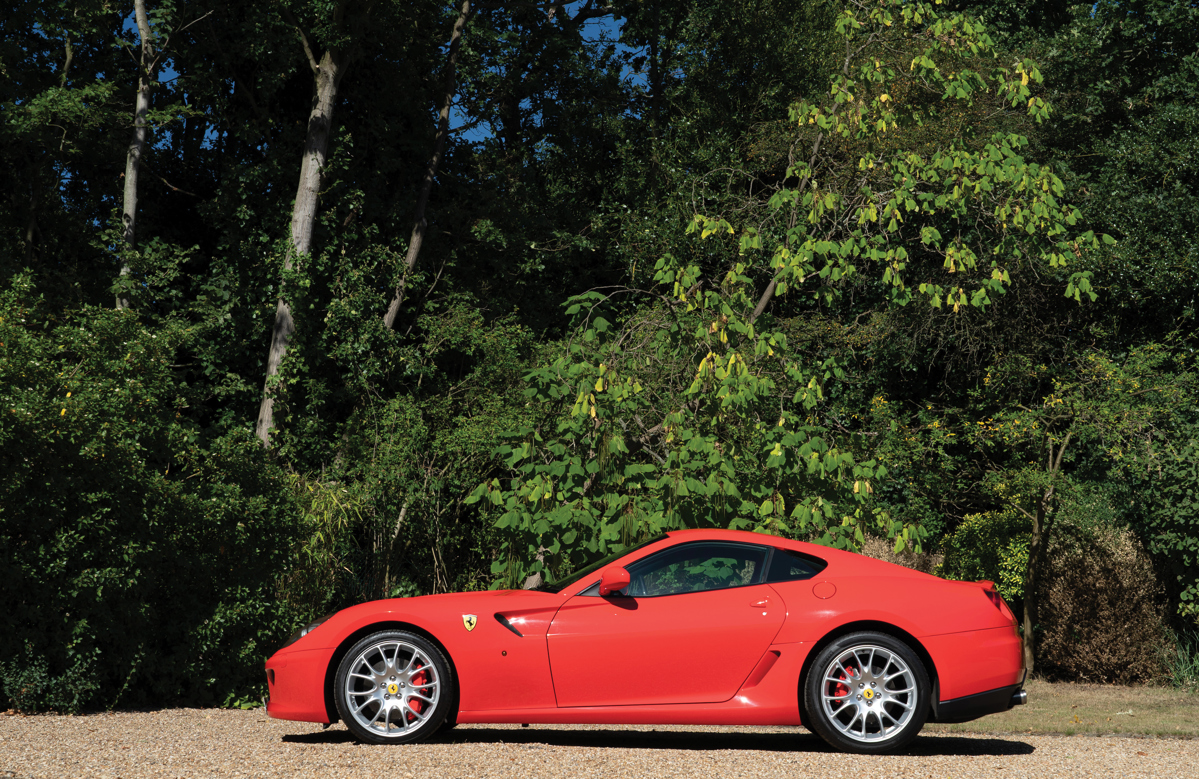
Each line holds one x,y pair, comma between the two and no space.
1100,614
993,546
138,556
1170,523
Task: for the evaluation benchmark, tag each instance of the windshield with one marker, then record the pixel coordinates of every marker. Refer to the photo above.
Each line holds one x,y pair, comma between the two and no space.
562,584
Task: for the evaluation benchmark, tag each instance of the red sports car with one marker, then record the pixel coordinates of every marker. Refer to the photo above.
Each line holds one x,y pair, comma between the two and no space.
692,627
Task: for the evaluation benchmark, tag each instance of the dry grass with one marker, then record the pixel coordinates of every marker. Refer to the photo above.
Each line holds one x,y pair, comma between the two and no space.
1094,709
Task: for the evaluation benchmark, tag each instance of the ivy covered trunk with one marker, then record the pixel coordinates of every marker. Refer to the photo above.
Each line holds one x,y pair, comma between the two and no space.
1036,553
328,73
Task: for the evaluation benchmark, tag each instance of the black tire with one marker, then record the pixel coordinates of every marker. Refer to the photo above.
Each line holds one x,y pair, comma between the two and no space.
867,693
407,701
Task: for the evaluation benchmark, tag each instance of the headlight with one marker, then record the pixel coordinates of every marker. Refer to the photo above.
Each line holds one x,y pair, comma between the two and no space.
311,626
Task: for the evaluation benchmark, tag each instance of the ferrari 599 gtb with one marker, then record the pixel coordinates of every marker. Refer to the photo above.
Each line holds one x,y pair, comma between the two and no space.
691,627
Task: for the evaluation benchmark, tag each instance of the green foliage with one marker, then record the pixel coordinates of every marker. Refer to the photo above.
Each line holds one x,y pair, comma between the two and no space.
685,416
244,702
387,518
642,449
1182,661
906,210
992,546
976,209
323,574
1170,527
138,557
1124,155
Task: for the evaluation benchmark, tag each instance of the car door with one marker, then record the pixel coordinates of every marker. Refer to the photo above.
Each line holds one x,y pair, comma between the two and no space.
689,628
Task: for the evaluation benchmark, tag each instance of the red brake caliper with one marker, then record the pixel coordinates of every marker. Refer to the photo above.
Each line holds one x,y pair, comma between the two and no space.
842,688
416,704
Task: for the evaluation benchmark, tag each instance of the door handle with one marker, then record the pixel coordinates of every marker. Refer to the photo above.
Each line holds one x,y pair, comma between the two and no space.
760,604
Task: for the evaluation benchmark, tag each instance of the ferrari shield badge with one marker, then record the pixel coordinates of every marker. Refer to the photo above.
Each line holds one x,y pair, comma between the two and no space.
469,621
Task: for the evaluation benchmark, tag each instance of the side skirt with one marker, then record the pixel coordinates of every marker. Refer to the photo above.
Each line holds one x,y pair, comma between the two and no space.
685,714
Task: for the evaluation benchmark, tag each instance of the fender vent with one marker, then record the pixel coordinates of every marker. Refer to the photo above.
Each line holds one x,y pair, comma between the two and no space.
500,618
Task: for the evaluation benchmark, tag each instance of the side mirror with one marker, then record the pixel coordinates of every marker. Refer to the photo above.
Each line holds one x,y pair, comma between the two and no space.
613,580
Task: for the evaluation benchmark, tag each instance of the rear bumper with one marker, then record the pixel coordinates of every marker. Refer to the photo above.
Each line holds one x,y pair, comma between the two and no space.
971,707
976,662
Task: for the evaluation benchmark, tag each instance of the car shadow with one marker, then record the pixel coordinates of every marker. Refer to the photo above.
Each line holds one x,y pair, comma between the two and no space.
786,741
793,741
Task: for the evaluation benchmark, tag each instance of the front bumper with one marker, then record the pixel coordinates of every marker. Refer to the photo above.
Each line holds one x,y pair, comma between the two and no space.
296,680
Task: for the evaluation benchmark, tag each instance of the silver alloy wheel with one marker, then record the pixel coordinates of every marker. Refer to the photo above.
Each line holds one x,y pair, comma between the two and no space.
868,693
391,688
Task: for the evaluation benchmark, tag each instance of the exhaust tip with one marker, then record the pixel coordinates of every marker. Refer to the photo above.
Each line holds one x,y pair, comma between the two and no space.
1019,698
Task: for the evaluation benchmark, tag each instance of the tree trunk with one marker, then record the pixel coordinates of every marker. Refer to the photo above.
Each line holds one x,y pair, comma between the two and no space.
328,74
1038,549
655,75
443,128
133,159
1032,580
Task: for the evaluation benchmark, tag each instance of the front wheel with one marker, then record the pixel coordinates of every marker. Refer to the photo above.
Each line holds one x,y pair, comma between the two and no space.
393,687
867,693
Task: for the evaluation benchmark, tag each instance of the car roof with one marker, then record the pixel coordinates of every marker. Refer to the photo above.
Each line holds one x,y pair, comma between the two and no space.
847,562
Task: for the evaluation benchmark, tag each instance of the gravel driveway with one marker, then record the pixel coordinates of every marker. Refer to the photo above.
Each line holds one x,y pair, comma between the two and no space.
214,742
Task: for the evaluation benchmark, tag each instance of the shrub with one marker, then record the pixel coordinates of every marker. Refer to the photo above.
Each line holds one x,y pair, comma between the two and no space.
138,555
992,545
1170,523
1100,616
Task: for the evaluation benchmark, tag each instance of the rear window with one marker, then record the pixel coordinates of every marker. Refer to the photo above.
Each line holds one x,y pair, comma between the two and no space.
789,566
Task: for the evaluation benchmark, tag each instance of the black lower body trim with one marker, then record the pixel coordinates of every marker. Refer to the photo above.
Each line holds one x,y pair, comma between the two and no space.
972,707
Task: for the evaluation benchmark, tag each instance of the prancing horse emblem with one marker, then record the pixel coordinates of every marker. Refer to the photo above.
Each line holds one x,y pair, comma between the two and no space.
469,620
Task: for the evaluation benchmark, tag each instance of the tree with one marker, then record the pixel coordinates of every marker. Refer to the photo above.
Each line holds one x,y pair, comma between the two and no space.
693,410
1123,80
1130,168
153,49
1039,418
327,75
420,222
62,116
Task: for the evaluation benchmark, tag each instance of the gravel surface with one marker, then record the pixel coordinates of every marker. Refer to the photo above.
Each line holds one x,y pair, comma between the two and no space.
214,742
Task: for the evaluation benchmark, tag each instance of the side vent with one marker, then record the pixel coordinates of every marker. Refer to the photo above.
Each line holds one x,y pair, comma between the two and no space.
764,665
500,618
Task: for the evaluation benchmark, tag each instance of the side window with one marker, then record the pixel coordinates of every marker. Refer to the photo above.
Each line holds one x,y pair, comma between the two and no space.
696,567
788,566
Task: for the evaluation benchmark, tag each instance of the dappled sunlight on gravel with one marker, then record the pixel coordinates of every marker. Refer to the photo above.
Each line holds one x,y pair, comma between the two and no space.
214,742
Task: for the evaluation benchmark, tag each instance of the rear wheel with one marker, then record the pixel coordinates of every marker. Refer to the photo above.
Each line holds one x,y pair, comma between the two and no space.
867,692
393,687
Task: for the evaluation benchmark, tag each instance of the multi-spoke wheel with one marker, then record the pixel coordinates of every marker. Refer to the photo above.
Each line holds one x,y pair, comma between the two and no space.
867,692
393,687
